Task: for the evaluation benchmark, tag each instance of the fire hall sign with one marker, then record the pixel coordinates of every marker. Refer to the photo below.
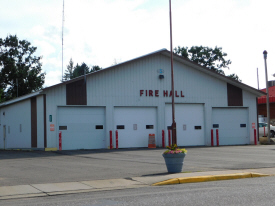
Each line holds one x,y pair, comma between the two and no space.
157,93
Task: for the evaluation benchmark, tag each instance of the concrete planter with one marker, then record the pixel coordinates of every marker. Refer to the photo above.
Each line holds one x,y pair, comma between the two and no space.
174,162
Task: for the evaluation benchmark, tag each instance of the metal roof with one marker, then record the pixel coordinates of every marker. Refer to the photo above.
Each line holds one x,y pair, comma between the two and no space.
164,52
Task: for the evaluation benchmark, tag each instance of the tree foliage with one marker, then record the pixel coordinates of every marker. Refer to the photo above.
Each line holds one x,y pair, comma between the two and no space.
78,70
213,59
20,69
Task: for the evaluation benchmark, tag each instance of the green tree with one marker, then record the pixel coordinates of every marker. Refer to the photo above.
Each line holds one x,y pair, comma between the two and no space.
69,72
78,70
95,68
20,69
234,76
213,59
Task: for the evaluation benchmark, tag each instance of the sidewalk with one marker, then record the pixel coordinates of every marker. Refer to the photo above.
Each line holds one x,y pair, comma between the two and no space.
51,189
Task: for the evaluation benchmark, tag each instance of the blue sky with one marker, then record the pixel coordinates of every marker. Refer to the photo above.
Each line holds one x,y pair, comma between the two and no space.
101,32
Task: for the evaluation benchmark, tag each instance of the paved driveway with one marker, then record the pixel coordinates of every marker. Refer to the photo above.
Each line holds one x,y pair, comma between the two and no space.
37,167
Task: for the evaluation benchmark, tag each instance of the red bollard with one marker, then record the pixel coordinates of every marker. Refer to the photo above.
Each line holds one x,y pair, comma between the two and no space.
163,139
169,137
217,137
212,138
60,140
255,137
111,139
116,139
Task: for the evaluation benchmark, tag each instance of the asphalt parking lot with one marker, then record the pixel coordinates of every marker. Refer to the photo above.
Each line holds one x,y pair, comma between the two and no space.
38,167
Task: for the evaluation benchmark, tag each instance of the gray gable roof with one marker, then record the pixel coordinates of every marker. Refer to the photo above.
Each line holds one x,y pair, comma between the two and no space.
164,52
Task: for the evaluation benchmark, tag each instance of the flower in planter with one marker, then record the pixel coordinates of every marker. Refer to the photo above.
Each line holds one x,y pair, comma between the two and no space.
173,149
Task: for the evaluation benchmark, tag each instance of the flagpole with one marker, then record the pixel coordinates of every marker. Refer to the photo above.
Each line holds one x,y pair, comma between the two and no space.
174,131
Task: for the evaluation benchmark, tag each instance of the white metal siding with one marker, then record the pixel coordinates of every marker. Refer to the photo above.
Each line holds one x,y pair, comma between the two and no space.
55,97
16,115
120,87
230,130
134,120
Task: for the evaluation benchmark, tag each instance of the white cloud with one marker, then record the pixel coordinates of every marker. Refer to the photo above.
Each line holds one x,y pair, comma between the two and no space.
97,32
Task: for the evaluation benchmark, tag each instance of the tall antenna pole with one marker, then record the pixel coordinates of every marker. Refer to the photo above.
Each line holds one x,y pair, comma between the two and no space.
174,131
62,38
258,78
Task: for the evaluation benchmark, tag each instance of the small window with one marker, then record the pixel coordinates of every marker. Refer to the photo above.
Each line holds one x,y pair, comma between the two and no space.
62,127
120,127
215,125
243,125
169,127
197,127
149,126
99,127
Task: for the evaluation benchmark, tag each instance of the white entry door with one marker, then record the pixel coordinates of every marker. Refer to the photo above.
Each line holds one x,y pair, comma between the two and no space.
190,123
82,127
134,124
231,124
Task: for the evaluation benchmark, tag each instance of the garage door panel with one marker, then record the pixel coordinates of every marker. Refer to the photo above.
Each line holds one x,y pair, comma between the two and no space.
81,131
187,117
232,125
134,120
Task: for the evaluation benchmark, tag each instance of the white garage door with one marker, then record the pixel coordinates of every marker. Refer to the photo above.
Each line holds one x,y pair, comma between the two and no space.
232,125
134,124
82,127
190,123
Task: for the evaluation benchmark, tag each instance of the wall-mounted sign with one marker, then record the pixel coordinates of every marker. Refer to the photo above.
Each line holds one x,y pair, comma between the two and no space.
51,127
156,93
253,126
160,71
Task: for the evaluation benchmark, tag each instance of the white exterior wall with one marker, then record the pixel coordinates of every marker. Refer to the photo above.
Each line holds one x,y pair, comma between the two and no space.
120,87
55,97
16,115
250,102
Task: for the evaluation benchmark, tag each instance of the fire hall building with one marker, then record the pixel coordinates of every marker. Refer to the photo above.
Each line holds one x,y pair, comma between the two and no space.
134,99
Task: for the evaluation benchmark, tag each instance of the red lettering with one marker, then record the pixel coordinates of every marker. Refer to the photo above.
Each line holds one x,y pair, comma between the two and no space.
150,93
156,93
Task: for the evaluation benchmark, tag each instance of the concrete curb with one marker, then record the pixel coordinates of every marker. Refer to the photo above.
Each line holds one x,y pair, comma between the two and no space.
52,189
183,180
